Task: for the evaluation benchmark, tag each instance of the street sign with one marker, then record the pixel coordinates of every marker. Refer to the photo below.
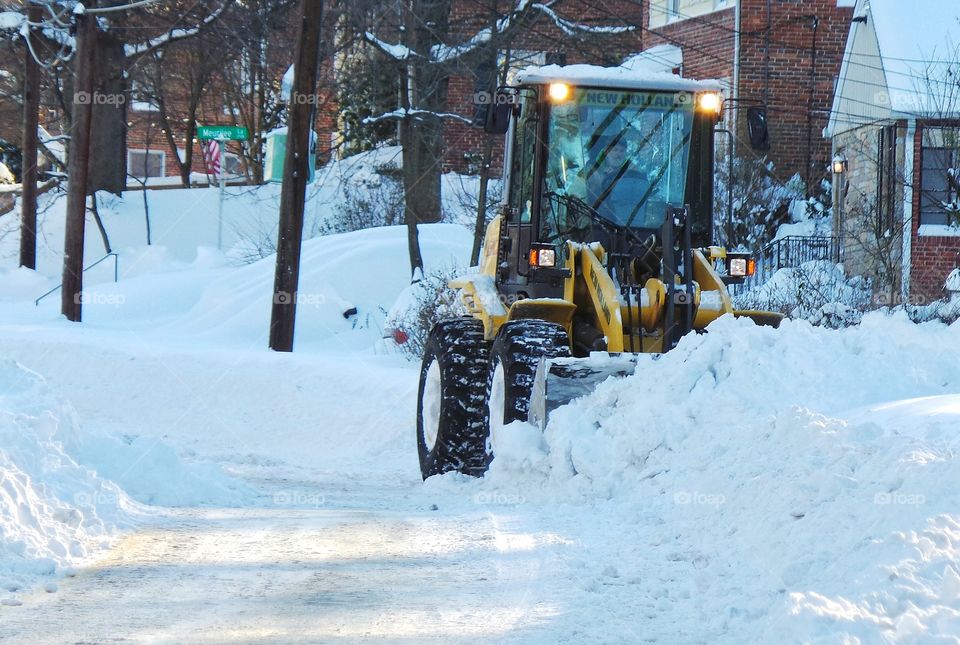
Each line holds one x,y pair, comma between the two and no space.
223,132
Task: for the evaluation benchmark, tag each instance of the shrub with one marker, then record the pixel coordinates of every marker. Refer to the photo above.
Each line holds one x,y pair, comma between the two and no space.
421,306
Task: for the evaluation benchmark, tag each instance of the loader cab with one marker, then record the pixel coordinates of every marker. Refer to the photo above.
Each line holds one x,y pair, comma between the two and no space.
592,163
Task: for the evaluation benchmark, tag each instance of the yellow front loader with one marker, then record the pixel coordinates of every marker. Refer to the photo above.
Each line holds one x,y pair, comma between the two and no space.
602,250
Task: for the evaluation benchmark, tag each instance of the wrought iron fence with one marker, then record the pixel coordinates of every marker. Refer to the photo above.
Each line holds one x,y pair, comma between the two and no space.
787,252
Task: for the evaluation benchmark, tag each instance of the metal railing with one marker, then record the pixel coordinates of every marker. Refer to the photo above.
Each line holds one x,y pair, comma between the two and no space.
788,252
116,275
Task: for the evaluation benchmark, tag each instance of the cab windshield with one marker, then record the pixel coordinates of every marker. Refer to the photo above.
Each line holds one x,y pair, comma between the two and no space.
622,154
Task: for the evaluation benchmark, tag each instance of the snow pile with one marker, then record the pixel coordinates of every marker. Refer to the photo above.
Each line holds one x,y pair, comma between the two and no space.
54,513
818,291
736,458
347,283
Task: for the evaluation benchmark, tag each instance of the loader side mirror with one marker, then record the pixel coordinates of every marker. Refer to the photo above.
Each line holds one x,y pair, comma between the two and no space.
757,128
500,110
483,90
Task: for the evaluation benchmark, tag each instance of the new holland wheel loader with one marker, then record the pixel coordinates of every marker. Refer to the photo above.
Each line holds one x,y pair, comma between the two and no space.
602,250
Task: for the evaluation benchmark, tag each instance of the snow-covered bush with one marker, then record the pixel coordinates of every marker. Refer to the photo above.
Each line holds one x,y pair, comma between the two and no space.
815,291
366,206
760,201
946,310
6,177
419,307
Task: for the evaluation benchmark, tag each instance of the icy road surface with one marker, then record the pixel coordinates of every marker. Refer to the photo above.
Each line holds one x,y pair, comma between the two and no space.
272,575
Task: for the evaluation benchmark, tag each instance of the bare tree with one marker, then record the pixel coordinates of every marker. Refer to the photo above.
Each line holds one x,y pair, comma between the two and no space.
426,50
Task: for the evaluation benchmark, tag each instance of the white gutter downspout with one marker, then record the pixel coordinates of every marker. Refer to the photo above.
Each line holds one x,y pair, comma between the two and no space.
908,155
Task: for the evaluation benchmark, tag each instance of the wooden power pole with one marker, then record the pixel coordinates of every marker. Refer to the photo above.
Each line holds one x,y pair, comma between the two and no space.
296,173
31,109
78,166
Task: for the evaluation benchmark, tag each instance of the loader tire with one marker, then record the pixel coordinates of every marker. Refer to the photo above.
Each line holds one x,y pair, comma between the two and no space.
514,357
451,410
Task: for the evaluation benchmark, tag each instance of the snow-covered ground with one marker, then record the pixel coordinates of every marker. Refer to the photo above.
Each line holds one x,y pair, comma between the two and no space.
754,485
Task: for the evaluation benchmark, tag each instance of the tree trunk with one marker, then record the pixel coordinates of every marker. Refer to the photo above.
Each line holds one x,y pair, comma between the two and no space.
96,218
78,164
481,223
423,87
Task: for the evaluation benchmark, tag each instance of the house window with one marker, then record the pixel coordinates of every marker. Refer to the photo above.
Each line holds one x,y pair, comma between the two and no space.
673,9
140,98
938,190
886,178
143,163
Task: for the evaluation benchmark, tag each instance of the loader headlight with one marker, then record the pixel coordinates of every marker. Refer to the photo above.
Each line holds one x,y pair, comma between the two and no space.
740,266
559,92
710,102
540,257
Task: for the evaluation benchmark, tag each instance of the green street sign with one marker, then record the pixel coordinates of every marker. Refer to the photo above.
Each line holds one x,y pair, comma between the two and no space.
223,132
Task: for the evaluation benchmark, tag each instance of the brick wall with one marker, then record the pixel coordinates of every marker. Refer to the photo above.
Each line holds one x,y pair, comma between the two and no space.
708,43
932,257
777,71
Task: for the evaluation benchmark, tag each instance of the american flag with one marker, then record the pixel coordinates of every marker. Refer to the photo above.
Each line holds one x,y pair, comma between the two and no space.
211,152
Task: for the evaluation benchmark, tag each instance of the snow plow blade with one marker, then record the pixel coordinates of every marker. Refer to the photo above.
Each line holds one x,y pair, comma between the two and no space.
561,380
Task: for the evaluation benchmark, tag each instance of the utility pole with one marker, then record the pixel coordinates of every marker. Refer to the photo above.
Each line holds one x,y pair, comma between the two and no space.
303,102
78,165
31,108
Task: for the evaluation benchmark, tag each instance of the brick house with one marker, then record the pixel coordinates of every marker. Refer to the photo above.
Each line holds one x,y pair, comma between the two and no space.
237,92
896,126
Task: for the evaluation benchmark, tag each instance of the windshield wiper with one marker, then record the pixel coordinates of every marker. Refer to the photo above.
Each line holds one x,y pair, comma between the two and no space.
582,209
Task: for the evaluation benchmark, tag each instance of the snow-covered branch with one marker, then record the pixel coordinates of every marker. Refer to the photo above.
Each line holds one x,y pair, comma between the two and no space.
443,53
172,35
571,28
446,53
396,52
401,113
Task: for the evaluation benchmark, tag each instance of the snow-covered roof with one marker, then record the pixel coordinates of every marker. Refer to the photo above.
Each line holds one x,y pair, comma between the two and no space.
900,61
662,58
637,77
11,20
917,42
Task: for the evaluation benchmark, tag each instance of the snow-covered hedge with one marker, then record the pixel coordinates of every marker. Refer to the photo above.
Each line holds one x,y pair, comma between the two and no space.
816,291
